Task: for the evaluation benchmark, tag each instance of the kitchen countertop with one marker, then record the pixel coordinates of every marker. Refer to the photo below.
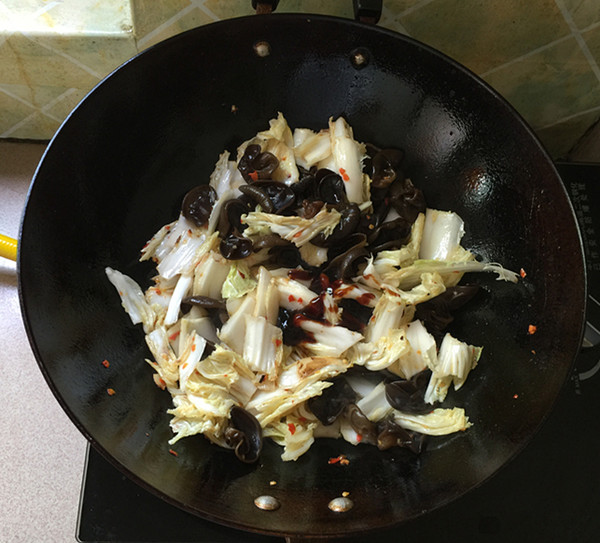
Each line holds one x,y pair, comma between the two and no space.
42,453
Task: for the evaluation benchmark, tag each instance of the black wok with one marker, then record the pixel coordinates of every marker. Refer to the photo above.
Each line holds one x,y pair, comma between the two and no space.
118,168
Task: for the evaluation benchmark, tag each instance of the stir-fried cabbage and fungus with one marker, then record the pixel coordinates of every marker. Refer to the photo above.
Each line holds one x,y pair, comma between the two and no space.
305,292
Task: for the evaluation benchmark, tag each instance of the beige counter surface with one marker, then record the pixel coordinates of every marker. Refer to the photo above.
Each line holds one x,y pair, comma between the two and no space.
41,452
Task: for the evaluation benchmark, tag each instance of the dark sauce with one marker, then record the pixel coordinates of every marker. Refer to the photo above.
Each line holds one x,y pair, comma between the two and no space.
301,275
290,326
355,315
355,312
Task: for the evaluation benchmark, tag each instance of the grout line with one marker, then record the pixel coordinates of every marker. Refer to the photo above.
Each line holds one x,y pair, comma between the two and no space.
569,117
14,128
17,98
578,37
41,110
398,26
593,26
144,40
200,5
526,55
78,63
44,9
415,7
56,100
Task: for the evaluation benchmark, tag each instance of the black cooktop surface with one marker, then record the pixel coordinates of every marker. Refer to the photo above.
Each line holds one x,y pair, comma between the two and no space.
550,492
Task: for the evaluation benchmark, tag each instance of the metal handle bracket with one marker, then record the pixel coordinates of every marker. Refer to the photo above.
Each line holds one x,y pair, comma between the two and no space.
264,6
368,11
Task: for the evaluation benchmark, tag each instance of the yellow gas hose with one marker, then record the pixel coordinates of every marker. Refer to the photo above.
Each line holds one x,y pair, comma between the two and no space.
8,247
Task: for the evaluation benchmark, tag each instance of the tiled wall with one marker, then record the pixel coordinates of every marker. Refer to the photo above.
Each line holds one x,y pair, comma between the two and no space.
542,55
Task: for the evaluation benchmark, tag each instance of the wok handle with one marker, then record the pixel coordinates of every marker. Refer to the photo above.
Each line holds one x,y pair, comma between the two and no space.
264,6
365,11
368,11
8,247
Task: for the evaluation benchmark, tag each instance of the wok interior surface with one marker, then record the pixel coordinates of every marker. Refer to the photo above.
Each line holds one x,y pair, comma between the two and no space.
118,169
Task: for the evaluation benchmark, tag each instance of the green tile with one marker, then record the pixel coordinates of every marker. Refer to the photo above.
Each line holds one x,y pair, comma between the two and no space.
36,126
583,12
147,16
35,95
98,54
237,8
560,138
26,62
547,86
396,7
69,16
190,19
66,102
483,35
231,8
12,111
338,8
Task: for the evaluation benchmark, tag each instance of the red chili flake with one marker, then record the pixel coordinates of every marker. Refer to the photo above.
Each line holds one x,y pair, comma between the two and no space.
193,346
111,391
299,233
522,273
277,343
158,291
291,298
174,335
253,176
300,300
303,420
242,275
532,329
174,453
341,459
344,175
106,363
160,383
292,428
189,232
358,437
